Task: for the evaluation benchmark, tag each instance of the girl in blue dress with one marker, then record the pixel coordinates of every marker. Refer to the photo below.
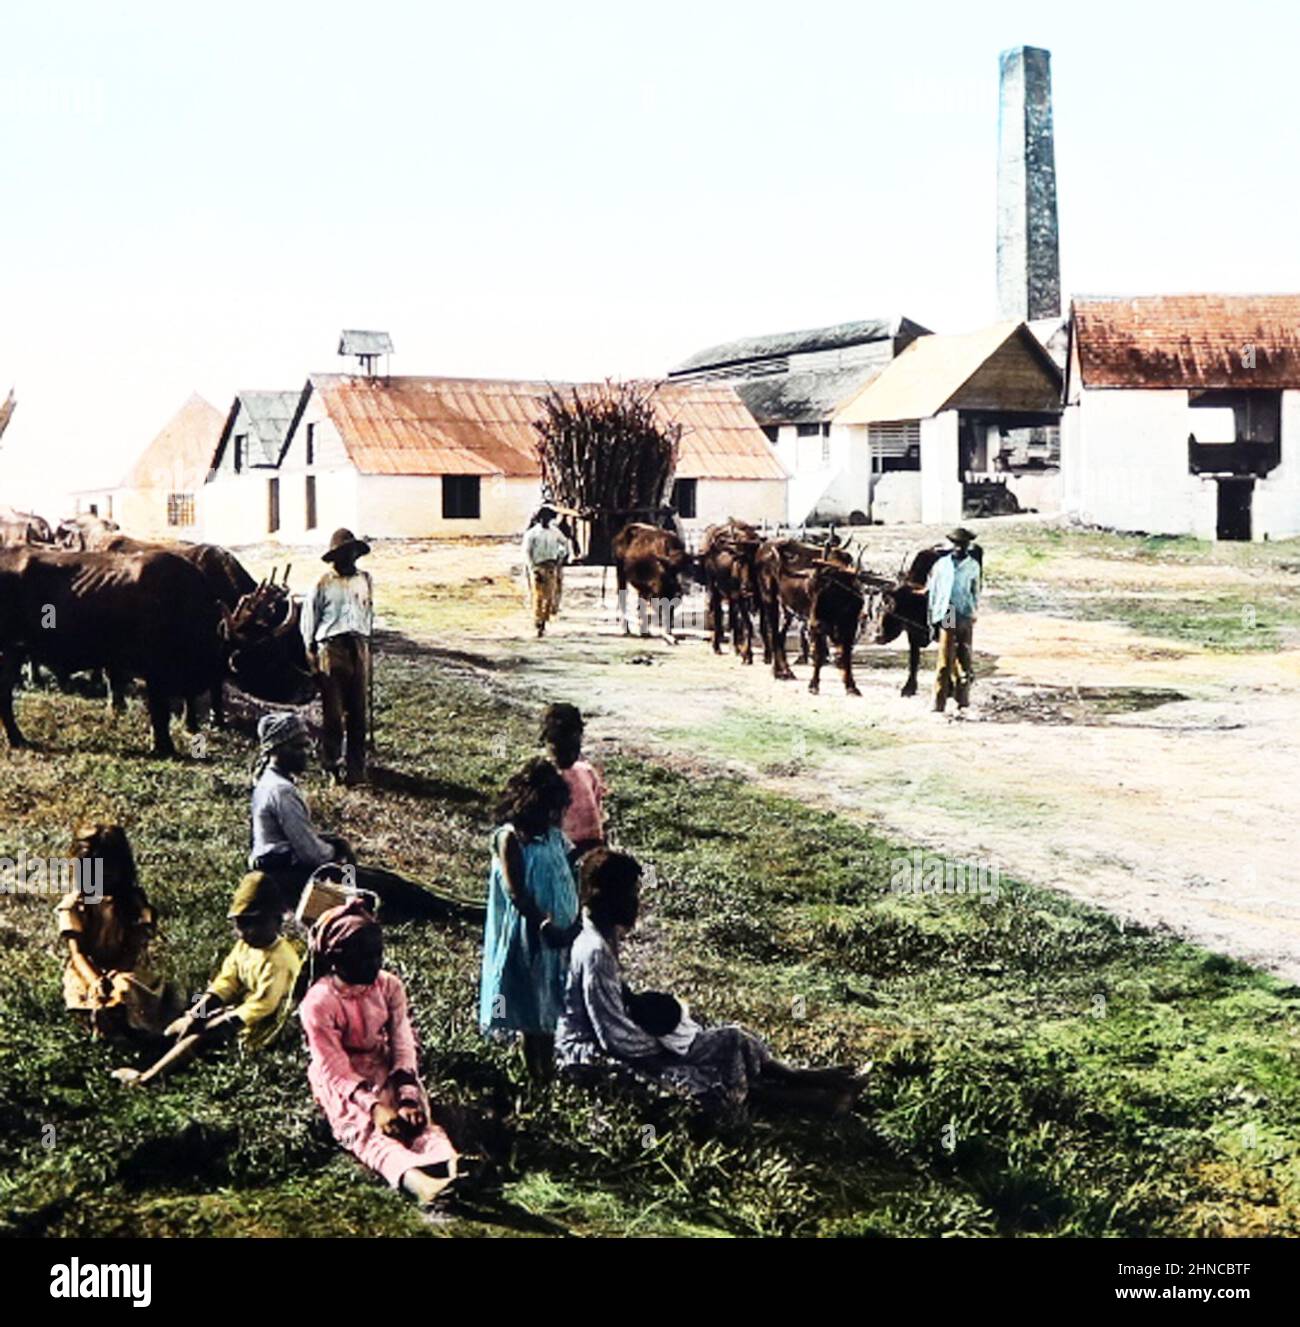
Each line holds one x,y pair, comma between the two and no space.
532,915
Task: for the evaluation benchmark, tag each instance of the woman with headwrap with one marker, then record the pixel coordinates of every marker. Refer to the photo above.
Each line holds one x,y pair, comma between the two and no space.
364,1072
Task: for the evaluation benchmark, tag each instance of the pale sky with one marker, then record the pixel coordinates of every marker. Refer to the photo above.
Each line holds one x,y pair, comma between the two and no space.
199,198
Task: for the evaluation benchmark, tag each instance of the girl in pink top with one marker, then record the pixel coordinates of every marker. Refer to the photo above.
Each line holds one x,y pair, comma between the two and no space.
584,821
363,1072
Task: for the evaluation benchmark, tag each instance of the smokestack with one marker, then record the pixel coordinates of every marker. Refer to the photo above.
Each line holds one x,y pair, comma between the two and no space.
1029,257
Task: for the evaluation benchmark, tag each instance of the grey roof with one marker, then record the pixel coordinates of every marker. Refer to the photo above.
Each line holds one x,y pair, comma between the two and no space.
798,343
365,343
265,417
806,397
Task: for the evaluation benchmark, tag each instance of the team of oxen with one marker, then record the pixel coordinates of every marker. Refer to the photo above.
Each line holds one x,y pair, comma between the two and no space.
183,619
781,582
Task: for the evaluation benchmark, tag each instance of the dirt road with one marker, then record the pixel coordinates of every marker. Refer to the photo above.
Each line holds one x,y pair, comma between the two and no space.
1151,778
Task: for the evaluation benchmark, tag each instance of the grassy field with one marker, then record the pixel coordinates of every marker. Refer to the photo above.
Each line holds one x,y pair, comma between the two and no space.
1037,1069
1223,596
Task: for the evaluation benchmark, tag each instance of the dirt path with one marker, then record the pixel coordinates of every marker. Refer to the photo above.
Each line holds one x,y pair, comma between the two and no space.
1162,788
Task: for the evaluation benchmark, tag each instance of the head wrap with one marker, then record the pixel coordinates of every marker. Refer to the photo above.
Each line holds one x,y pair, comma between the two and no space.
277,730
338,926
256,892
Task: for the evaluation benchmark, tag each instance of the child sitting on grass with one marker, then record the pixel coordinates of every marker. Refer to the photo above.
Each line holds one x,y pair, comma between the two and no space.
584,820
251,994
532,915
108,934
364,1072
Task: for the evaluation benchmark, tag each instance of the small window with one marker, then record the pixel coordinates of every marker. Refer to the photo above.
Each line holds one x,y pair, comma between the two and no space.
180,509
773,432
94,508
272,505
310,522
241,450
684,498
311,452
808,430
460,497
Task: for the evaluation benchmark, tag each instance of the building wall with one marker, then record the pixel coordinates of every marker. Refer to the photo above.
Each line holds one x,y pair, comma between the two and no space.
410,506
1276,513
142,513
829,476
1124,465
941,492
752,500
897,498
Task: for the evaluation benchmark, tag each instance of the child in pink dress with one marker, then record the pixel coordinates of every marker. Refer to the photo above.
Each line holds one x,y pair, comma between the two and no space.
584,821
363,1072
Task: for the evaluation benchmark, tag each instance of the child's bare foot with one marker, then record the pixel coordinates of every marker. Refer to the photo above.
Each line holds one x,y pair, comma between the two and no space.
129,1077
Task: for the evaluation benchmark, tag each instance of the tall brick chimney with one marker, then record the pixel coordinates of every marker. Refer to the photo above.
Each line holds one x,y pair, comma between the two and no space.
1029,258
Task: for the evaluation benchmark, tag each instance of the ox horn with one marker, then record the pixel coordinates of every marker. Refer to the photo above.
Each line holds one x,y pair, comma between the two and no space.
284,580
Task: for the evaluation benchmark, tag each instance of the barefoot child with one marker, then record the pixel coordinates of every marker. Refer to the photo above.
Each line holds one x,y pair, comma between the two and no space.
364,1072
250,997
532,915
584,820
107,923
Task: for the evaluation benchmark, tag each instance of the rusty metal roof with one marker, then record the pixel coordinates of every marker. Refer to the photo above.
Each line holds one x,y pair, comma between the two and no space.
484,426
1188,341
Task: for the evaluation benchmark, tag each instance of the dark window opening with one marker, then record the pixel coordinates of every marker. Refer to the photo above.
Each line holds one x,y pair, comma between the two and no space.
808,430
772,431
272,505
1256,447
684,498
311,445
460,497
310,521
241,449
180,509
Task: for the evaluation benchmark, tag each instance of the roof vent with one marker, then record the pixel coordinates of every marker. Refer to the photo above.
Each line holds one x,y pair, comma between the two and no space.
367,347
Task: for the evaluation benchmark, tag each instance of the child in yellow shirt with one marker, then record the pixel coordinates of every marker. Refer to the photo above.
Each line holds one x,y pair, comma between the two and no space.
250,996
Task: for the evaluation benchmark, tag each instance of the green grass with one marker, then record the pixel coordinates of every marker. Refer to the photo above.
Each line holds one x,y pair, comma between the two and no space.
1038,1070
1248,600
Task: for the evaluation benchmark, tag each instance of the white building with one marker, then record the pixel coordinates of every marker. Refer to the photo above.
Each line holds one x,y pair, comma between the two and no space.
416,456
794,384
1183,415
953,425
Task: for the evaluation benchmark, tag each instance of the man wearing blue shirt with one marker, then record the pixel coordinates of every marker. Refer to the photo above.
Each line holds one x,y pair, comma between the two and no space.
953,591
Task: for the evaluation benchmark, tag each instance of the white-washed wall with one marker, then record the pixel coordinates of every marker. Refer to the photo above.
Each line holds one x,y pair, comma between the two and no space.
941,491
752,500
410,506
1276,512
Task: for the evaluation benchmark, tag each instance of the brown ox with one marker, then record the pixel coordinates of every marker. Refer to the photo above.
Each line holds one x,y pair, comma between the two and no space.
819,586
268,657
655,563
146,615
727,560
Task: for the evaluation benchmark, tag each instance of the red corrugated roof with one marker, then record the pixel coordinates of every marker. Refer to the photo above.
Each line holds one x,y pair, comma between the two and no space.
484,426
1190,341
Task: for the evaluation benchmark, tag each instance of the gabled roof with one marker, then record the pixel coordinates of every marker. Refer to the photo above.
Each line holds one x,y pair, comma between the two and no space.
484,426
1188,341
179,458
781,344
265,418
932,372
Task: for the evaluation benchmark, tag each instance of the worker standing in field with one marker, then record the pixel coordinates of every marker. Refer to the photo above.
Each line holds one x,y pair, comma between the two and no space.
546,550
953,591
337,623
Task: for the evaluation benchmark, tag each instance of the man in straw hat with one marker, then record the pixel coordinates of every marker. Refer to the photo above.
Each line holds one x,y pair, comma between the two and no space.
546,550
337,623
953,591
